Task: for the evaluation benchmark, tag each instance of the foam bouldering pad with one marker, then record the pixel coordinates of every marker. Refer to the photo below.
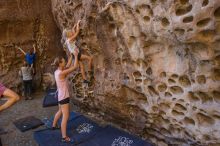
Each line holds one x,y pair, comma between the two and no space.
111,136
50,98
83,129
49,121
85,132
80,129
47,137
27,123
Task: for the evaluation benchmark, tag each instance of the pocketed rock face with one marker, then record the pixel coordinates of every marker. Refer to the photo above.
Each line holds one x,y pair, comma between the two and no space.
157,66
22,23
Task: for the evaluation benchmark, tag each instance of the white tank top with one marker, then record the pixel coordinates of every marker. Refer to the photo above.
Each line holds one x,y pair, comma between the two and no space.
62,86
71,45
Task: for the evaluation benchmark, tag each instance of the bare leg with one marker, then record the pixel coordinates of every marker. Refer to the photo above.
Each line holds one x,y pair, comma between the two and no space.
57,117
82,69
65,113
12,98
90,63
89,58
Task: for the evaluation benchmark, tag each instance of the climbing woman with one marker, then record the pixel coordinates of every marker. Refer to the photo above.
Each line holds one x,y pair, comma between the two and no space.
10,95
61,74
70,41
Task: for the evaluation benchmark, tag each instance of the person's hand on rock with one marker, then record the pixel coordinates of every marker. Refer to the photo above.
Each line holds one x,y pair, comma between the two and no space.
107,6
78,22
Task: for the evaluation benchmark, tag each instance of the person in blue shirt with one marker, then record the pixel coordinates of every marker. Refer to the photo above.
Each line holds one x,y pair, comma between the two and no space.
30,56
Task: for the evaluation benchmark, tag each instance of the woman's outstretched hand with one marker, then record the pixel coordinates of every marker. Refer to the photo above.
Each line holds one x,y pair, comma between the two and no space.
77,26
107,6
78,22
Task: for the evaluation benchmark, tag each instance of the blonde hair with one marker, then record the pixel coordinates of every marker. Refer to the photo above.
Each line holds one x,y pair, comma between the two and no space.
64,35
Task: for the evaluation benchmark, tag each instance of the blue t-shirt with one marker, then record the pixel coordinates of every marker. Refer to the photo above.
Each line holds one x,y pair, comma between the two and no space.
30,58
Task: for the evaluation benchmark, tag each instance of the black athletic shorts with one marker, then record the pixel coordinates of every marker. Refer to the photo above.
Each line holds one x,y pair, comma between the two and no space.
64,101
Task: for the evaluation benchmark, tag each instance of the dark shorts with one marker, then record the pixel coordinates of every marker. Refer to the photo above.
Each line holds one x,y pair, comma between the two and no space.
64,101
2,89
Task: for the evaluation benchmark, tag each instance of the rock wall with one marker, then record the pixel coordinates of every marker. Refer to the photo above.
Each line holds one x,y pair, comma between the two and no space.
24,22
157,66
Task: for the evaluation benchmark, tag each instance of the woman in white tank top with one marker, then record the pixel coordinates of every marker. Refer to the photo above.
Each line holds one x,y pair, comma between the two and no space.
61,73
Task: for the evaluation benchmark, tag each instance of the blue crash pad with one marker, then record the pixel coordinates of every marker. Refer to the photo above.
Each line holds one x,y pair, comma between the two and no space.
48,122
111,136
50,99
27,123
87,133
79,128
84,129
